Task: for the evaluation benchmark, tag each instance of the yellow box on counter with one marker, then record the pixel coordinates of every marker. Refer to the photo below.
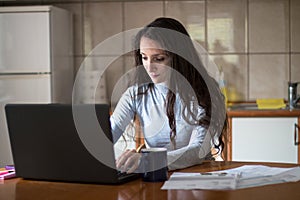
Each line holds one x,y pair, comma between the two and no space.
270,103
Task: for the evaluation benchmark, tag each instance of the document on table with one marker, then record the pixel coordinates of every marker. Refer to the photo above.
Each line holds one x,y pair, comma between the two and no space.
236,178
188,181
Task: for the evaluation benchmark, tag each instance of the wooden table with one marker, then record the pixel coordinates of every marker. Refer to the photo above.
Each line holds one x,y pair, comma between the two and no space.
19,189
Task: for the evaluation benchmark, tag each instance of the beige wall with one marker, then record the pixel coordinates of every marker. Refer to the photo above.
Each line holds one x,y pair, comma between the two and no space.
256,42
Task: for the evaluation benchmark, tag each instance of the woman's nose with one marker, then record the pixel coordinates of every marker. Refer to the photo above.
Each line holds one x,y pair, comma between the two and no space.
151,67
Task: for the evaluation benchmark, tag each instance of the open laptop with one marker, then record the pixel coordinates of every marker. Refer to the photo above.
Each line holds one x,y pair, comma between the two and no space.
46,145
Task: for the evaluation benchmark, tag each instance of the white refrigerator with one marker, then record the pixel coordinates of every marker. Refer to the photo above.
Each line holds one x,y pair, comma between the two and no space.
36,63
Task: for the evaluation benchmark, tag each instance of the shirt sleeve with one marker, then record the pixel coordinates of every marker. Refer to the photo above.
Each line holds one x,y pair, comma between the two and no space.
194,153
123,114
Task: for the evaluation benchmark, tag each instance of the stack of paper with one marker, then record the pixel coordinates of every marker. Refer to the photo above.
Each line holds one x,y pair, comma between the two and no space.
187,181
236,178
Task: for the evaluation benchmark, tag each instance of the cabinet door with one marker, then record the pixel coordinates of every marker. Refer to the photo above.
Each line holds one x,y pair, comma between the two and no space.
24,42
264,139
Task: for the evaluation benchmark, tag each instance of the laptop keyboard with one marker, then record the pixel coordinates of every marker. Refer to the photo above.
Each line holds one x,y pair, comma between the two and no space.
121,174
124,175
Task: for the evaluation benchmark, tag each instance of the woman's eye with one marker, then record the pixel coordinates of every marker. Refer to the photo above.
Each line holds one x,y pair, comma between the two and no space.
160,59
144,58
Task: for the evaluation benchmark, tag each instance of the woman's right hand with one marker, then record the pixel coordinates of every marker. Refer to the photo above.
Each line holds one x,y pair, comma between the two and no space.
128,161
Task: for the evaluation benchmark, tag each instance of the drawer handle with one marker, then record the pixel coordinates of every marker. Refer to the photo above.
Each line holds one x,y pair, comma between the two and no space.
297,128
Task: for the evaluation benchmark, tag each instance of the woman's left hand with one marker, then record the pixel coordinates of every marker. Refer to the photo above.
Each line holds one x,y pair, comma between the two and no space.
128,161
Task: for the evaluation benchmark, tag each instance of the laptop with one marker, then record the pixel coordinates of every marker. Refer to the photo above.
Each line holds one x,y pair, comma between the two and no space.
49,144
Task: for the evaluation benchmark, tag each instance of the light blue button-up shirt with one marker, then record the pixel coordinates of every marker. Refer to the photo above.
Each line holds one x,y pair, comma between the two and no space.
193,143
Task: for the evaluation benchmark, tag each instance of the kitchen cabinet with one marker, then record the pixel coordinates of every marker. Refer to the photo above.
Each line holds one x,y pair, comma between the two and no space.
268,139
263,135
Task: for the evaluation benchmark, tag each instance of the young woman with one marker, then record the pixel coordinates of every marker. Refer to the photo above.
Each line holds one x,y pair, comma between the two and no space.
179,106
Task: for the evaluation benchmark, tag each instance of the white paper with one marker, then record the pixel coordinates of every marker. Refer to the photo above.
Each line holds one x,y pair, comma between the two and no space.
236,178
188,181
258,175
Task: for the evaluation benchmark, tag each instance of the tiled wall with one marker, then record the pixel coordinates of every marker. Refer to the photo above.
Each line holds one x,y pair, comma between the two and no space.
256,42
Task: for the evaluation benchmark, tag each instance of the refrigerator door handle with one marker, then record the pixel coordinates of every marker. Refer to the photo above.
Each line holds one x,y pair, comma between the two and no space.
23,73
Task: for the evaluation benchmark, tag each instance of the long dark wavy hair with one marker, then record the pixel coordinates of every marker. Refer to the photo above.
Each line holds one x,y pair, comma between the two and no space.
203,89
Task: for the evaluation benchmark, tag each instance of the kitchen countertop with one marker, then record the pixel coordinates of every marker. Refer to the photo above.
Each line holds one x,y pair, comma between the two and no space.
251,110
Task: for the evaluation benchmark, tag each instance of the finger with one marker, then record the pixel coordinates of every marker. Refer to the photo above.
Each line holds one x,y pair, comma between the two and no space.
132,163
123,155
120,160
126,160
134,166
123,158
